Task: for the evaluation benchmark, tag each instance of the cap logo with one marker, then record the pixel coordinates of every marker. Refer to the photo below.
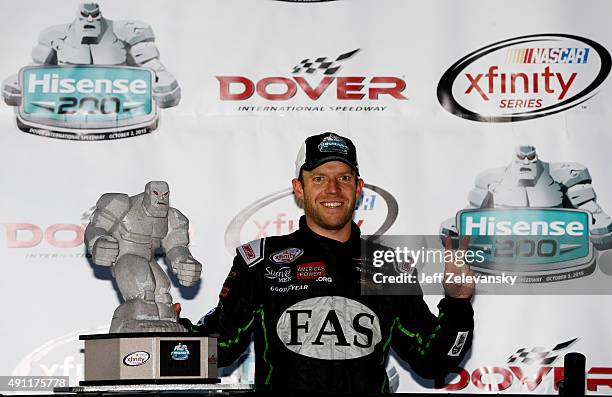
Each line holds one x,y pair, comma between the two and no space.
333,143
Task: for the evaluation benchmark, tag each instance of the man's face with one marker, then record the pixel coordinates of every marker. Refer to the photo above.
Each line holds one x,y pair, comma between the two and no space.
329,193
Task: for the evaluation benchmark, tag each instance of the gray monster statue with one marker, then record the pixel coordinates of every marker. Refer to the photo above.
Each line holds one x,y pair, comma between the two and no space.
92,39
124,233
529,182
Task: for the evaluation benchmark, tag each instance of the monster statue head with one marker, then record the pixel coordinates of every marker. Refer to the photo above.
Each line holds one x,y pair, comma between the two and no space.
89,24
525,168
156,199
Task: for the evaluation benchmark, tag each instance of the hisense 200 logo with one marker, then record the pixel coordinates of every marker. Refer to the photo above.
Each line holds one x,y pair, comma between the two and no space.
524,78
537,245
109,102
95,78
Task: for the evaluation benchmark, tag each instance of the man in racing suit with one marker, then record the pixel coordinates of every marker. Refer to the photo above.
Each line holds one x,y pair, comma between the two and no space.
301,296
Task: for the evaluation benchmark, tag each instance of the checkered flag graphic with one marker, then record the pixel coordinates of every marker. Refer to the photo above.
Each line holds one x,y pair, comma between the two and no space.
327,66
539,355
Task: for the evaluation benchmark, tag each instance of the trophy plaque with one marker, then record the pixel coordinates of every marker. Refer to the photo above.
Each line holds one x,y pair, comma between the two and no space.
149,358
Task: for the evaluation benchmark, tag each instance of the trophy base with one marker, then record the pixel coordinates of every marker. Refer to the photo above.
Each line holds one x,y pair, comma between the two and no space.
149,358
129,382
205,388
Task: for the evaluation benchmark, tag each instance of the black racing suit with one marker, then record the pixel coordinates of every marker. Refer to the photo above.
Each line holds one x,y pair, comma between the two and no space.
314,330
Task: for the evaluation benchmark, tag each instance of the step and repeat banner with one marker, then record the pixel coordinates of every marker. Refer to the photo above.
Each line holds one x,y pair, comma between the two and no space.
451,104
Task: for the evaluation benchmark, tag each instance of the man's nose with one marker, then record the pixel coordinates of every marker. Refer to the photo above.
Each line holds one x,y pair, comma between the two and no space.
332,186
89,18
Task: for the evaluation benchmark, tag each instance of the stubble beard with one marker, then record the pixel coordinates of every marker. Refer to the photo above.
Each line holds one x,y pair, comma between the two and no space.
313,213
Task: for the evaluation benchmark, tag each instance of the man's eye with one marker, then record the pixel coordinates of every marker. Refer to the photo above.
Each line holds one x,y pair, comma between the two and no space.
317,179
346,178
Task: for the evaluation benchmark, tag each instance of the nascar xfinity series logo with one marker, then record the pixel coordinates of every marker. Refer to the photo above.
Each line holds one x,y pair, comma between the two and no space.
87,102
286,256
538,245
524,78
135,359
315,84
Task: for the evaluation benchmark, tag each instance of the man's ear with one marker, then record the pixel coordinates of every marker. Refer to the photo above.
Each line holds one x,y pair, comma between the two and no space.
360,184
298,189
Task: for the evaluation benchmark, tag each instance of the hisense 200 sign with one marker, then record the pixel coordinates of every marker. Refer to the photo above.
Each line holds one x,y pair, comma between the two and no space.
87,102
538,244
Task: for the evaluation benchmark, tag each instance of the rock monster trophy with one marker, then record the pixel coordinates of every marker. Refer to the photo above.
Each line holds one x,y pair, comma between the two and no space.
124,233
88,75
530,192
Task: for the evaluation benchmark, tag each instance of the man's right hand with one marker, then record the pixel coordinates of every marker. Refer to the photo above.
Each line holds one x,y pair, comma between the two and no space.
105,251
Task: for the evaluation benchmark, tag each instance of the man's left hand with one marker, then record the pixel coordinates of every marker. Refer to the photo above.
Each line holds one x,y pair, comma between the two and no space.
457,271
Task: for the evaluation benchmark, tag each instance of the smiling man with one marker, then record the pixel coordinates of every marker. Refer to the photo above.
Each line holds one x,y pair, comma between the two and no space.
300,295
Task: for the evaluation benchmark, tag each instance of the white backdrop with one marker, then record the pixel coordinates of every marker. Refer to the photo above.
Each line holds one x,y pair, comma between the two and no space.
219,159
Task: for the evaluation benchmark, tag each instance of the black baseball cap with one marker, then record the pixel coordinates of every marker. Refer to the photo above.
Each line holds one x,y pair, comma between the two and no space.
319,149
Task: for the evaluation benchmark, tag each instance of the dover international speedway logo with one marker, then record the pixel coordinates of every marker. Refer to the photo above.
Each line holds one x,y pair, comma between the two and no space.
537,369
538,245
316,84
524,78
